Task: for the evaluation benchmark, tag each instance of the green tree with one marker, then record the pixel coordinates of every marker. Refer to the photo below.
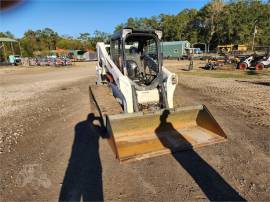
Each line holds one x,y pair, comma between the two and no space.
85,39
215,23
98,36
208,17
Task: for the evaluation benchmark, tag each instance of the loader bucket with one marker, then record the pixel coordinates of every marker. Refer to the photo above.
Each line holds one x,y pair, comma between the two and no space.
141,135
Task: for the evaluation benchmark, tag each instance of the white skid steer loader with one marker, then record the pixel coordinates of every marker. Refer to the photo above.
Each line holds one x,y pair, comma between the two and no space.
147,124
264,63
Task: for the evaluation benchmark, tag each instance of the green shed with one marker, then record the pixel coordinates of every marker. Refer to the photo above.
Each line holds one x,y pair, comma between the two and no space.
174,49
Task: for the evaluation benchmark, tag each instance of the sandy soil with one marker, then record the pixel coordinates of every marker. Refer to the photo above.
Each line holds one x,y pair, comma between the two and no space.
51,147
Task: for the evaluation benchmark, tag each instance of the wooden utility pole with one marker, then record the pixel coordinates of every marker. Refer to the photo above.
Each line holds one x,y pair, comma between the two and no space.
254,34
20,48
4,51
12,48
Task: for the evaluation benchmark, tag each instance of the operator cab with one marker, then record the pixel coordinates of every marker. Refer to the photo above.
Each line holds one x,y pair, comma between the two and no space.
137,54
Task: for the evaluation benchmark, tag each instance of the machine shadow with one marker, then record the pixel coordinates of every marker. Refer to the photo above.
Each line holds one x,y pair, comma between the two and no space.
211,183
83,177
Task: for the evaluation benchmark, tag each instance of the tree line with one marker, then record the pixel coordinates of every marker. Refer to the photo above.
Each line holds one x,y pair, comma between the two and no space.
217,22
46,39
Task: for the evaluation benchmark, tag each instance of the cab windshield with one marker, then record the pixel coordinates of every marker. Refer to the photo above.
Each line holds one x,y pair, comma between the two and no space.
141,57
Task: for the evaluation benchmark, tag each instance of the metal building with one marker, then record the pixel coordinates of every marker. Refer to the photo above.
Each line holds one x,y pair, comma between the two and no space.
174,49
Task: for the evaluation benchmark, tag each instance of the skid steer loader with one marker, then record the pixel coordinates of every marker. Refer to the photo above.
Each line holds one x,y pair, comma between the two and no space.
146,121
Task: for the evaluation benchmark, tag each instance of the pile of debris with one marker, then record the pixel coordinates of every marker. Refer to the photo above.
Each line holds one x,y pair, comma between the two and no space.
49,61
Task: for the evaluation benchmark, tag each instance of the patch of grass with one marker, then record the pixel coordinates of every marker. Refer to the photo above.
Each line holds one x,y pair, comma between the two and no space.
228,74
251,72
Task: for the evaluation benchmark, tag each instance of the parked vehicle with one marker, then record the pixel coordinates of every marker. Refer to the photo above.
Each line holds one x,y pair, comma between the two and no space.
43,61
14,60
215,62
67,61
197,51
59,62
264,63
32,61
51,61
250,62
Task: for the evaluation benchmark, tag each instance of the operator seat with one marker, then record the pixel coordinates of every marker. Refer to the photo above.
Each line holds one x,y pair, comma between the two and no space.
135,56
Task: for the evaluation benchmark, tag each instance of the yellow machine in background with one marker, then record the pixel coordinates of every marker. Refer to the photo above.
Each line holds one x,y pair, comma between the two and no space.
232,47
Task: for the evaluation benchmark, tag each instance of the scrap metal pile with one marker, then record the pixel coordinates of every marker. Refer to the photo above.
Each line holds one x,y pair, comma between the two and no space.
50,61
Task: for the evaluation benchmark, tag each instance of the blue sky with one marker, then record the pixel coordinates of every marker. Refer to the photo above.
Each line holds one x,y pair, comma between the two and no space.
72,17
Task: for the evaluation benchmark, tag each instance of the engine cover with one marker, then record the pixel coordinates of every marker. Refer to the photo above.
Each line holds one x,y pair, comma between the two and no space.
148,96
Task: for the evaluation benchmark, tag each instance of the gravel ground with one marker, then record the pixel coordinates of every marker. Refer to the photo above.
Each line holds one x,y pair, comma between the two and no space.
51,147
22,93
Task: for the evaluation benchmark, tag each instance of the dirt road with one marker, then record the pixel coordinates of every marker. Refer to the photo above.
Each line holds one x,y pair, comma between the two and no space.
51,147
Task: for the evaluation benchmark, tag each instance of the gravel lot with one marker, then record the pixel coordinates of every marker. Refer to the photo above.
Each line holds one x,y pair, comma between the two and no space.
51,147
